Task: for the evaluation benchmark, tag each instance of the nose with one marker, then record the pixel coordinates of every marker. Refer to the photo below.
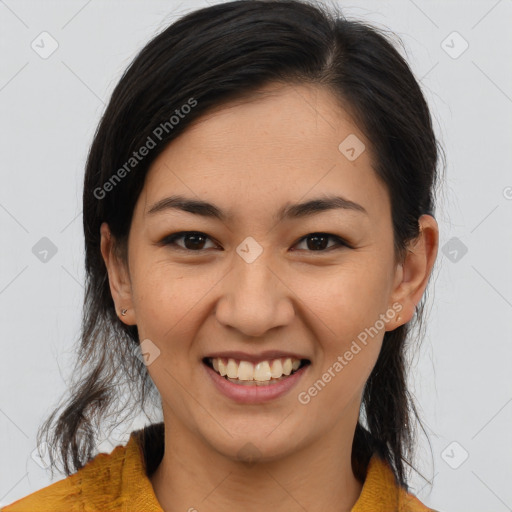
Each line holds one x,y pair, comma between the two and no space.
255,298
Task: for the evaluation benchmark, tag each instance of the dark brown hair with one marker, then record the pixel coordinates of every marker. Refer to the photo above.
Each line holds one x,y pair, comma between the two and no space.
211,56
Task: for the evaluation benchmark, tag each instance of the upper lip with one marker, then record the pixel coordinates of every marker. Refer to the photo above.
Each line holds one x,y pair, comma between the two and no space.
255,358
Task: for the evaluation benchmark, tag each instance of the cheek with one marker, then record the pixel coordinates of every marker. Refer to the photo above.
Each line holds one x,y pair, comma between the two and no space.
347,299
167,306
163,299
349,342
344,309
337,390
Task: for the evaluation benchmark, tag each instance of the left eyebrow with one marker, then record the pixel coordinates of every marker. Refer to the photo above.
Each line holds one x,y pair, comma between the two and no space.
289,211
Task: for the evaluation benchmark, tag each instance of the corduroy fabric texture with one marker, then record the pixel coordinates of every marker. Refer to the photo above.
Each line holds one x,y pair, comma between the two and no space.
117,482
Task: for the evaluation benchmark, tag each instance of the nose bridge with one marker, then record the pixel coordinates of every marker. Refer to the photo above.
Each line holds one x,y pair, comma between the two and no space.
254,299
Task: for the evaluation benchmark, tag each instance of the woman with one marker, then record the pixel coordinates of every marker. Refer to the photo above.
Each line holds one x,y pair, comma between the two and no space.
259,232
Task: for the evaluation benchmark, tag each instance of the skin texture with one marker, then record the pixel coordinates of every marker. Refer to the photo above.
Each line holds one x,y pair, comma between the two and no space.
250,158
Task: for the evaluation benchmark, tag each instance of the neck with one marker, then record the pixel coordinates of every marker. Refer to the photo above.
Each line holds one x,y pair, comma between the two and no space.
316,477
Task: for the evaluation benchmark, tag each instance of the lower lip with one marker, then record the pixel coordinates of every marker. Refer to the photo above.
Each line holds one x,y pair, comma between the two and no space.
254,394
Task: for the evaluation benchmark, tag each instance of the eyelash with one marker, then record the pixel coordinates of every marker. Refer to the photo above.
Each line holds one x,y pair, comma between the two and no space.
170,240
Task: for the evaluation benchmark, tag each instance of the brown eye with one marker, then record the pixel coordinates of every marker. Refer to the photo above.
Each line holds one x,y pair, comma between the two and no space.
318,242
192,240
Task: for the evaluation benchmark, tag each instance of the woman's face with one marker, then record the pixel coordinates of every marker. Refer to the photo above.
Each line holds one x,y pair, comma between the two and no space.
253,283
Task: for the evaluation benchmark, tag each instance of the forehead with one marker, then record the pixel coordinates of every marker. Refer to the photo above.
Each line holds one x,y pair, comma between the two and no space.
282,144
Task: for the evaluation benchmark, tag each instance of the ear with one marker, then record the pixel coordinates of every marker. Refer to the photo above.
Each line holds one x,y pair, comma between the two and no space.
118,277
412,275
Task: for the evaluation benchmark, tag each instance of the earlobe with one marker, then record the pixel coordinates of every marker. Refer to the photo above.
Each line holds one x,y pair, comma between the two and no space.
413,273
118,277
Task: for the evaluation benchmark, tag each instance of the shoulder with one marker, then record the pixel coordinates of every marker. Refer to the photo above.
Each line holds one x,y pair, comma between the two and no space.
409,503
95,486
380,492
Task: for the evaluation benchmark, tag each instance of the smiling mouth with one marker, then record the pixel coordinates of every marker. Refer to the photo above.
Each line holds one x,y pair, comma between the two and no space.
262,374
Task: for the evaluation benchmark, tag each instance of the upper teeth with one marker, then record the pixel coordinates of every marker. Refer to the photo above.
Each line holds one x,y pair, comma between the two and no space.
264,370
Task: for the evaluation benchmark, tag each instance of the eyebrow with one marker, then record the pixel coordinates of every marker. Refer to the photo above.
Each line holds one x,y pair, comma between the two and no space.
293,211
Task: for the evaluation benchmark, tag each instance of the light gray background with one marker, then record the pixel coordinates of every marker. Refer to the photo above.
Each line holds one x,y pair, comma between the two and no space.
49,110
